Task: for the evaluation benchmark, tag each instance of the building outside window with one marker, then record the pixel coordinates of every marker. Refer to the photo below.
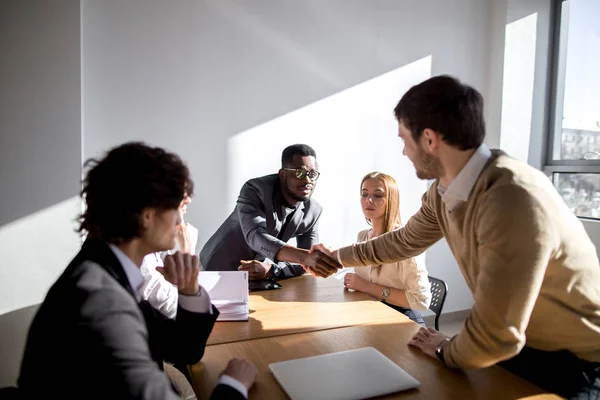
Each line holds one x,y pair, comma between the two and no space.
573,159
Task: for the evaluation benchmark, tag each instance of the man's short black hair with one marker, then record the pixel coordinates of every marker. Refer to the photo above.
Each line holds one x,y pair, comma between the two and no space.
296,149
447,106
130,178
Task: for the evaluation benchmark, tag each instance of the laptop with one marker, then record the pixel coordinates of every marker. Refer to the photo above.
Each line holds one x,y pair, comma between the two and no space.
347,375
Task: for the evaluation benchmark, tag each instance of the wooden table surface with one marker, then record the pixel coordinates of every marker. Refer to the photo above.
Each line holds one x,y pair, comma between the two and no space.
437,381
304,304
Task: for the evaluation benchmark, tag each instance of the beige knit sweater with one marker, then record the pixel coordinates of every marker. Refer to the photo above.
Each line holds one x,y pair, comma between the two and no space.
529,263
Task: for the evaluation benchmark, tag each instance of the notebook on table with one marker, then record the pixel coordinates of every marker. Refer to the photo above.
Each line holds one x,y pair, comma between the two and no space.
228,291
347,375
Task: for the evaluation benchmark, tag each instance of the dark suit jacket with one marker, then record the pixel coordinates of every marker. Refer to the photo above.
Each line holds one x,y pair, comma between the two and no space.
91,339
254,229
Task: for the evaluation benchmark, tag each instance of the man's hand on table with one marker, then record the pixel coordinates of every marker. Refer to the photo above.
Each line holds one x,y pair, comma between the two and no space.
257,270
428,339
242,371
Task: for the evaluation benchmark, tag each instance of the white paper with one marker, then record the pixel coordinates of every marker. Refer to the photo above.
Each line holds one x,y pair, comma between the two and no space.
228,291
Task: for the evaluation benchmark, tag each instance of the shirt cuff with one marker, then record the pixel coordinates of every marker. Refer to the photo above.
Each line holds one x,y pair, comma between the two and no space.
234,383
199,303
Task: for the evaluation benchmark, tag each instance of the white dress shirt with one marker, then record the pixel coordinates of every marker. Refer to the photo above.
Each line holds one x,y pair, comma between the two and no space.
199,303
458,191
160,293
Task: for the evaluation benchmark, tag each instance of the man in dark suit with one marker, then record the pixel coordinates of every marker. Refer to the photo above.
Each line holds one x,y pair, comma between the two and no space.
93,336
271,210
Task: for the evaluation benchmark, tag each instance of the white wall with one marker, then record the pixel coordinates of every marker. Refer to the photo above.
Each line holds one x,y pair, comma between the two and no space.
203,77
40,158
535,78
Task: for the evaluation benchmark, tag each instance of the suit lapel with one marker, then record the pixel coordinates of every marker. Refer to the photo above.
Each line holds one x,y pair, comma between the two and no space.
101,254
277,211
97,251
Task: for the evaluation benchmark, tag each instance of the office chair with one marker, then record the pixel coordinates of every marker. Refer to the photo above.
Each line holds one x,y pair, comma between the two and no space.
439,289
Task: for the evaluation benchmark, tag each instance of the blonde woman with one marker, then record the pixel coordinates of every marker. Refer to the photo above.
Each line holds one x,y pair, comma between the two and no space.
403,285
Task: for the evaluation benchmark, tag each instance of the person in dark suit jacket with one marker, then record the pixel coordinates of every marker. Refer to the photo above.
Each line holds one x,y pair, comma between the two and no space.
93,336
271,210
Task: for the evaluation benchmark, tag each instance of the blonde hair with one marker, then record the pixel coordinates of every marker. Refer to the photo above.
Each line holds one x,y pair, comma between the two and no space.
392,197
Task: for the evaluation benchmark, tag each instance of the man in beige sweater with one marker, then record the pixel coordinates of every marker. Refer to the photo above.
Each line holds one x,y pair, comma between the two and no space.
529,263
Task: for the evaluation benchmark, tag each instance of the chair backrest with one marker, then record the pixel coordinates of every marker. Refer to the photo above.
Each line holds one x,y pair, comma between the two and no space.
14,326
180,381
439,289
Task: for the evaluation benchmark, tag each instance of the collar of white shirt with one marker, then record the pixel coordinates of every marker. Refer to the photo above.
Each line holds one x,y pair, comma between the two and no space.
458,191
134,276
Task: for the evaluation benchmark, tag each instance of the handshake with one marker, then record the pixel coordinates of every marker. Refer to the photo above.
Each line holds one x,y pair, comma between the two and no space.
321,261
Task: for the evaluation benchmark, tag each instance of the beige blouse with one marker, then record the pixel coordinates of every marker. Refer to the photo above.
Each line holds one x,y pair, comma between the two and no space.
405,275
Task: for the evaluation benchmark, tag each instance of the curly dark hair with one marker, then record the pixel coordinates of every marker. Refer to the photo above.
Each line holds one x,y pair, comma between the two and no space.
447,106
130,178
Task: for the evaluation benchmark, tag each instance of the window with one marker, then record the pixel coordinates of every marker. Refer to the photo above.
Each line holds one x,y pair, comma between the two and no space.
581,192
573,160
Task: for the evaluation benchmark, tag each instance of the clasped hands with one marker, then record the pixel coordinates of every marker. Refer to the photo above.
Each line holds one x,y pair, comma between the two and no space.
321,261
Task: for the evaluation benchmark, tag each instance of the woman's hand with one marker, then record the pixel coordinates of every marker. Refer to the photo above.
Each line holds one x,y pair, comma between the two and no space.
353,281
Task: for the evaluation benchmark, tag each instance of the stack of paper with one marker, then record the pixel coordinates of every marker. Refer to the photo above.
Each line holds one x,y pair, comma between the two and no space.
228,291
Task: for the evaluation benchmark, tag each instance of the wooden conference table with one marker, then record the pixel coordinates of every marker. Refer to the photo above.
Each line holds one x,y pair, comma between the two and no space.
311,316
303,304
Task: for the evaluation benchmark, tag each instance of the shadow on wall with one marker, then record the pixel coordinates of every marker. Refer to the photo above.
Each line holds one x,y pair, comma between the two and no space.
353,132
13,331
266,64
40,106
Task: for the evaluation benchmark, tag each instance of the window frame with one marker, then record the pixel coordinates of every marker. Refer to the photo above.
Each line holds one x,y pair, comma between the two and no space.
558,46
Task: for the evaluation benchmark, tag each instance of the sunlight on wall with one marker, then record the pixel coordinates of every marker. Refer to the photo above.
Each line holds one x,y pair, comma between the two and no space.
517,86
41,244
353,132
